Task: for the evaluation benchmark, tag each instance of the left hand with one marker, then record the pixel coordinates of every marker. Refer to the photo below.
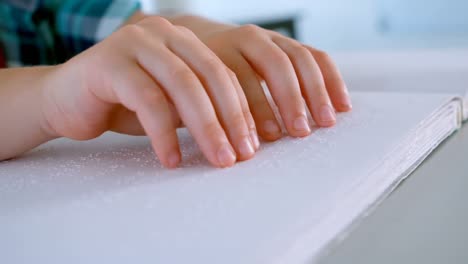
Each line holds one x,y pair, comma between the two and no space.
293,72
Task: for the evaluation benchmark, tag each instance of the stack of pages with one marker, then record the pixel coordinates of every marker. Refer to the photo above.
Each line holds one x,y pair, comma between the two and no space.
109,200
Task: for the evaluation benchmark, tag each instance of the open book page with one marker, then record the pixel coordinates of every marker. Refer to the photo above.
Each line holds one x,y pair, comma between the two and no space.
428,71
109,200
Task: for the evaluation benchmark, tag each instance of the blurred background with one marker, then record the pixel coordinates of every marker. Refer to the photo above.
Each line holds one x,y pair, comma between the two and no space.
342,25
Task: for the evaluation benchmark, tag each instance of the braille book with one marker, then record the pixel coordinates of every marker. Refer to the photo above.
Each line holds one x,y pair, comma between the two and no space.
109,200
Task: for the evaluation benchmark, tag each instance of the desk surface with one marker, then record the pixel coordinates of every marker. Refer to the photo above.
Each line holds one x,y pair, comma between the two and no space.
424,221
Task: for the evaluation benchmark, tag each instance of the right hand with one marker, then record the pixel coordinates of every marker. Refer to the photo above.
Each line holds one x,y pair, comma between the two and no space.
130,82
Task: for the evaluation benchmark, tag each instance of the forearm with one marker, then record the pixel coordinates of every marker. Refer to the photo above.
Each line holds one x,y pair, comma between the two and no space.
22,123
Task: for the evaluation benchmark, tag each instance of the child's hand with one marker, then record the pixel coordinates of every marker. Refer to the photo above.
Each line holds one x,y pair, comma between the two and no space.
292,72
140,73
151,75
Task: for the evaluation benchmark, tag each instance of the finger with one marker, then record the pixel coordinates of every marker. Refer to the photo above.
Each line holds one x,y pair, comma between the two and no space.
266,123
333,80
218,83
273,65
138,92
126,122
190,99
311,81
246,110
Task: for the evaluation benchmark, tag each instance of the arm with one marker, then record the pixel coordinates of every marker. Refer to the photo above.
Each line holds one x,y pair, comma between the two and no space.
129,83
22,121
133,81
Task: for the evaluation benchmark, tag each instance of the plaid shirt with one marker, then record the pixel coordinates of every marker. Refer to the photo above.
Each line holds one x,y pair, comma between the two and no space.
45,32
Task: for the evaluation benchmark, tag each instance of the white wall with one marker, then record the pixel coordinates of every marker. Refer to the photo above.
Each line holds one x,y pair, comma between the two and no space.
333,20
342,24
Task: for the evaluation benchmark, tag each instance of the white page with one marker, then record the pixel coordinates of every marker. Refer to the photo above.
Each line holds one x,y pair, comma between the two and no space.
109,201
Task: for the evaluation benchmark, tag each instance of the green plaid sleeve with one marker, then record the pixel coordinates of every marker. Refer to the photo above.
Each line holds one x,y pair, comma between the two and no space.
44,32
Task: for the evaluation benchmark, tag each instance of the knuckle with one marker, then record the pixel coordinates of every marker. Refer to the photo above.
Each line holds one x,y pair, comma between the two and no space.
231,74
334,79
299,51
248,117
184,75
237,120
214,66
321,89
158,21
250,29
212,129
152,97
212,63
216,70
219,74
186,31
132,31
322,94
320,54
298,100
278,56
320,97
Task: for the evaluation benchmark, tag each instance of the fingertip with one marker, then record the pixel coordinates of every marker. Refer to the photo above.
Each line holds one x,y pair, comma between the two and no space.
226,157
173,160
340,96
270,131
246,149
253,131
271,138
344,103
169,157
254,139
327,124
344,108
326,116
300,127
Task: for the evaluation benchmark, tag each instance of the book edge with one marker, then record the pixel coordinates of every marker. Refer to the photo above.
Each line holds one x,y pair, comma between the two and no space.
300,253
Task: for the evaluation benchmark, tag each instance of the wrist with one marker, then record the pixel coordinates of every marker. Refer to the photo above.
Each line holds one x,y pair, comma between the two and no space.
48,81
21,110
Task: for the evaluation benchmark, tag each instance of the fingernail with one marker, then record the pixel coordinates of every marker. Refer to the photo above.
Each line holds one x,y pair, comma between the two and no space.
254,137
347,102
246,148
271,127
327,114
226,156
173,160
347,99
301,124
346,90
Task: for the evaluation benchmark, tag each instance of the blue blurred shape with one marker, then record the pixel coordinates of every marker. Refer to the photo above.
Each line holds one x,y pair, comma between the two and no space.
423,16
